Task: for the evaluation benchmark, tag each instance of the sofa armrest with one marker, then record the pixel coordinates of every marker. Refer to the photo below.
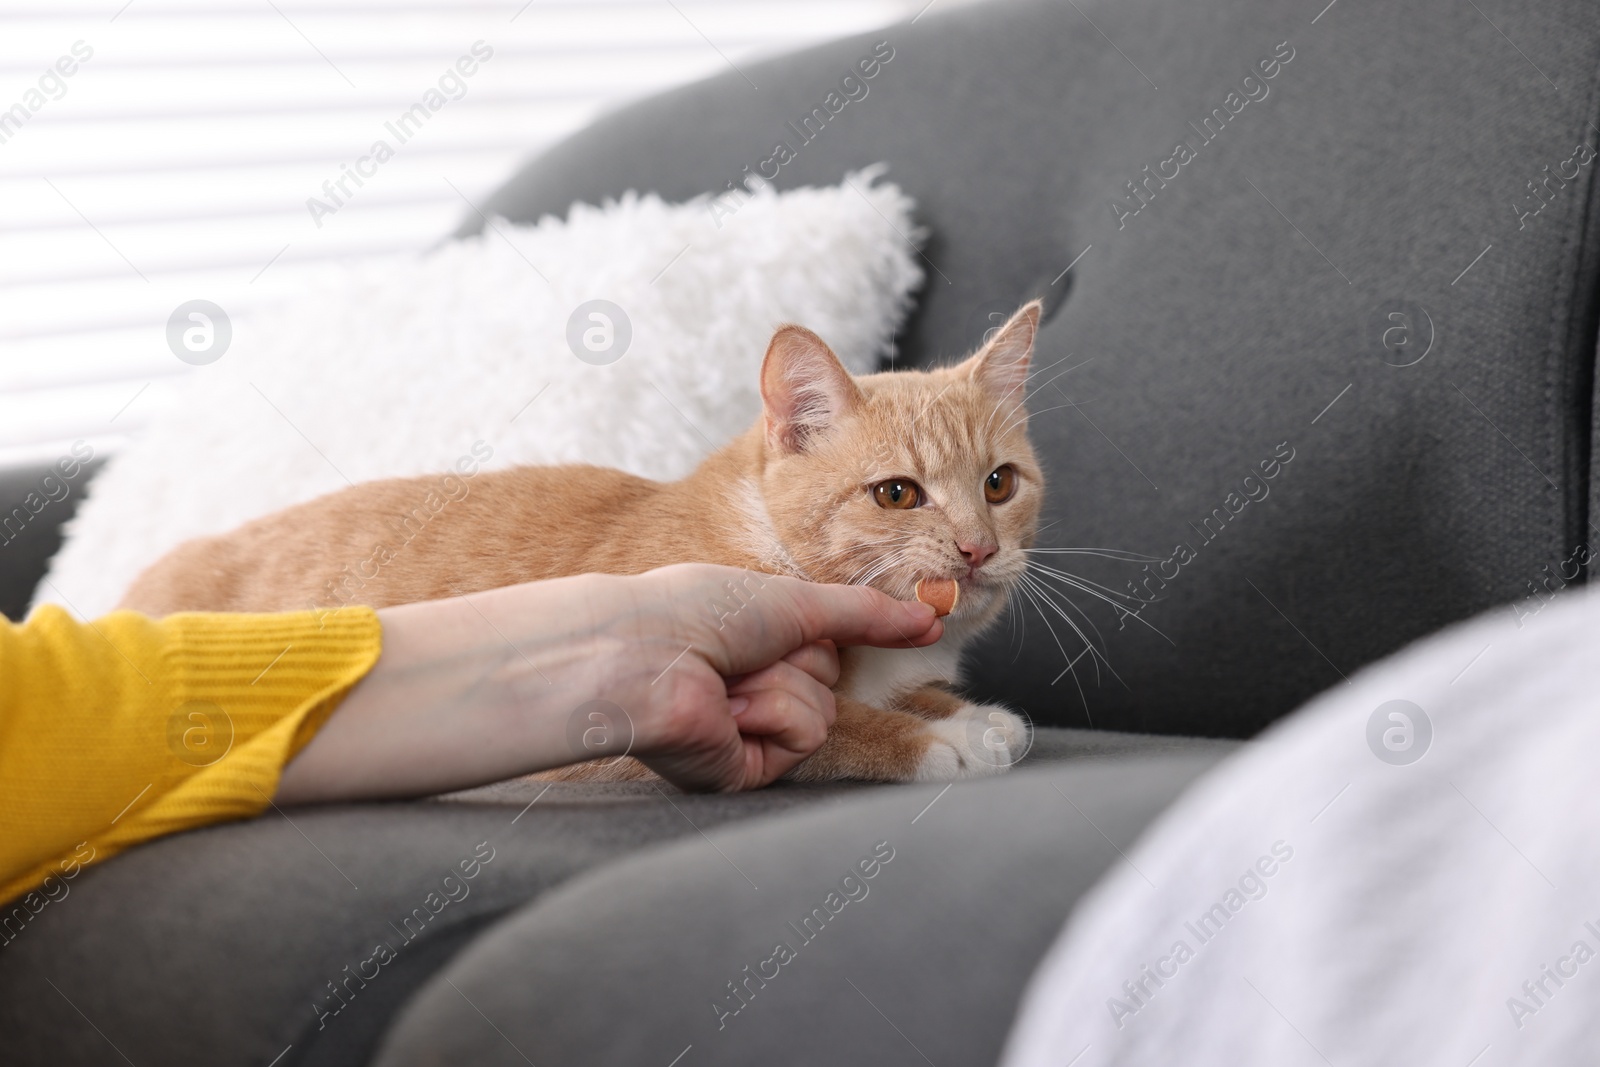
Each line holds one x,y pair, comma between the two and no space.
30,528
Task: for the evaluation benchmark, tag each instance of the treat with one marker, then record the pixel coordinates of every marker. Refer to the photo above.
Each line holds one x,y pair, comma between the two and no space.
940,593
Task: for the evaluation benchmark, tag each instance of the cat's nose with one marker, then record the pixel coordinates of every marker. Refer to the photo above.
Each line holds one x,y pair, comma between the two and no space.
976,553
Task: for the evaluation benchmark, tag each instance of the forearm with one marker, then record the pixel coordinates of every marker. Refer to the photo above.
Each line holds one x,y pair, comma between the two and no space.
463,694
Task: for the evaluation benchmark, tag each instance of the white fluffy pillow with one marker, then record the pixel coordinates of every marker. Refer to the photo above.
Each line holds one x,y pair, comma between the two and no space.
410,361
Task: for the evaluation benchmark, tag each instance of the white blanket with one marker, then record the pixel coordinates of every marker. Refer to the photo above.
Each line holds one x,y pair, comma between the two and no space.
1312,902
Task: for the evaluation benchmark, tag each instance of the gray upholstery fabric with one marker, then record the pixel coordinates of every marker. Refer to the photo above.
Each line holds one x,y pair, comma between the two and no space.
34,502
214,946
1222,319
922,962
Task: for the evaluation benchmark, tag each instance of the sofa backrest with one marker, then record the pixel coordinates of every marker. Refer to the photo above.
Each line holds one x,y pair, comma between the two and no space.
1330,307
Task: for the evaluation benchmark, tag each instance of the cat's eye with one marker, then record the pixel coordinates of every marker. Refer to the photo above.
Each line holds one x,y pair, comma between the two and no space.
1001,483
897,493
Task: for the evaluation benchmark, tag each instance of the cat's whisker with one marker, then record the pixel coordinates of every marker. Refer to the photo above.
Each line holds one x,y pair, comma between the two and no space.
1007,405
877,560
863,574
1049,366
896,539
1075,366
1046,526
870,576
1049,595
880,566
1043,598
891,539
1053,378
1108,553
1021,390
1014,616
1098,656
1024,588
1021,399
997,409
1071,661
1121,608
1070,669
1026,415
896,562
882,547
1086,586
931,402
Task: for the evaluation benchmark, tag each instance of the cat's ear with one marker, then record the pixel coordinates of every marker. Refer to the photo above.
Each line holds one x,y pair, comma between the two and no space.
804,388
1001,366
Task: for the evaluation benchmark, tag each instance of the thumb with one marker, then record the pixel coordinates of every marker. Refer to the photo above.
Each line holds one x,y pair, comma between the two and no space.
786,613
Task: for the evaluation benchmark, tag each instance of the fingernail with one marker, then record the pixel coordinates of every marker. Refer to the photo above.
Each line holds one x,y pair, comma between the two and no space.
738,705
927,611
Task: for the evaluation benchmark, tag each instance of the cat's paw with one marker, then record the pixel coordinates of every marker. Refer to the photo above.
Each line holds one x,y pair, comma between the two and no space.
977,741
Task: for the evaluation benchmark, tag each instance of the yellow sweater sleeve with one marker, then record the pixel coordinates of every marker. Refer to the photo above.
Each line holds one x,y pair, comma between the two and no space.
123,729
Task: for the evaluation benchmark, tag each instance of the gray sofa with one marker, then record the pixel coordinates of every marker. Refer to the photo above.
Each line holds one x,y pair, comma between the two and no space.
1337,373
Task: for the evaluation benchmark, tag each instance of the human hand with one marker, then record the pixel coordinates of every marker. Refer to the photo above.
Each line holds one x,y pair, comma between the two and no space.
748,694
722,677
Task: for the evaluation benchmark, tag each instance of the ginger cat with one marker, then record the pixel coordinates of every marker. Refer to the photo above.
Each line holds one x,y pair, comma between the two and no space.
879,480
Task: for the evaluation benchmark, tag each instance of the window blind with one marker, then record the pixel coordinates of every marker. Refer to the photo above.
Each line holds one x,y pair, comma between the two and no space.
156,152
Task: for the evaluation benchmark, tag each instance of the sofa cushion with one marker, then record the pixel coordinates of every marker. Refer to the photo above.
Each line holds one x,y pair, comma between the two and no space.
1332,371
219,946
899,928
